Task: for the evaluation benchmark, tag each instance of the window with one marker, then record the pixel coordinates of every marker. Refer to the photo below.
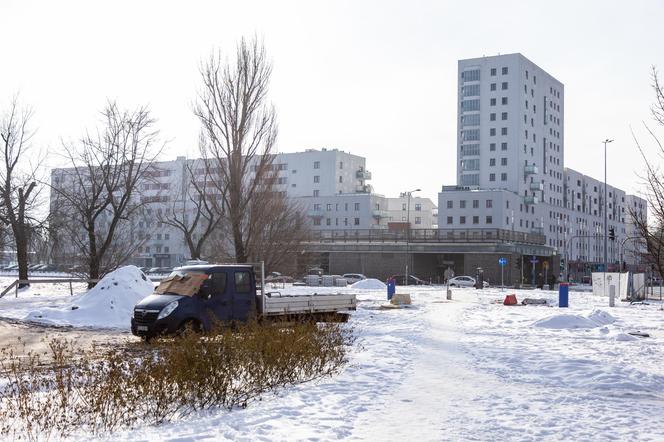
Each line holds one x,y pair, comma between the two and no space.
470,105
503,146
470,120
357,206
472,164
328,222
504,70
492,177
462,220
489,204
492,162
493,72
492,102
341,179
329,207
316,192
403,206
470,135
242,282
159,236
450,204
470,149
418,207
470,179
493,86
316,164
167,236
316,221
357,221
476,219
504,116
476,204
503,100
503,176
471,90
462,204
503,86
492,117
473,75
503,161
316,179
489,219
492,147
503,131
492,132
418,220
341,164
449,220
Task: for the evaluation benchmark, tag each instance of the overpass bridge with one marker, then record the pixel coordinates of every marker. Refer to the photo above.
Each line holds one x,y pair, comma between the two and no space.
428,252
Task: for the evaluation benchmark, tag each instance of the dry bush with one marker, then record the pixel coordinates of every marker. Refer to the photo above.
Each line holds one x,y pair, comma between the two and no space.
97,391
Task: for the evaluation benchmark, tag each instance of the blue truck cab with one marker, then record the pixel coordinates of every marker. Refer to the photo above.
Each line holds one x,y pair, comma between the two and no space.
226,293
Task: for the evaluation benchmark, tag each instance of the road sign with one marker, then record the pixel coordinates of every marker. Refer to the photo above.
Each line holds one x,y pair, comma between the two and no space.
534,260
502,261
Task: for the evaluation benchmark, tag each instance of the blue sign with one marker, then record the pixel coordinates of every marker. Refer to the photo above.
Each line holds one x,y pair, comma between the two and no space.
502,262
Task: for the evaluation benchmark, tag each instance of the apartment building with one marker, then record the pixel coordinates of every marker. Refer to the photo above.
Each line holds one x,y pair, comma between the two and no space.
510,163
423,213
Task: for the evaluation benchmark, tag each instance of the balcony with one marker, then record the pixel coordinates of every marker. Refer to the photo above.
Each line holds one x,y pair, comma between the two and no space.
363,174
364,188
536,186
379,213
530,169
316,213
528,200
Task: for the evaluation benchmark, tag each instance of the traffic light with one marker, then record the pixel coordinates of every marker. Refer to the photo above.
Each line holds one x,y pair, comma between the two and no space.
612,234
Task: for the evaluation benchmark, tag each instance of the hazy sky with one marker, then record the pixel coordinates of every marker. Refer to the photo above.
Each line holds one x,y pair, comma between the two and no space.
375,78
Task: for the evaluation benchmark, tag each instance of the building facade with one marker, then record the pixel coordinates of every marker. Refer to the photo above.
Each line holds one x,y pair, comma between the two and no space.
510,163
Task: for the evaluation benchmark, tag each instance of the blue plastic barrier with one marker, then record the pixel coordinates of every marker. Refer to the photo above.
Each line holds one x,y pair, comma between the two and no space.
391,288
563,295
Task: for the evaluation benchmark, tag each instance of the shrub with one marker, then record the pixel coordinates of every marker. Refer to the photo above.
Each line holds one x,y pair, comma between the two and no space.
101,391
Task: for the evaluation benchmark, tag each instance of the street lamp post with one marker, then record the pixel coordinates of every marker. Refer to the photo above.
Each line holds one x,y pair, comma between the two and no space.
606,231
408,194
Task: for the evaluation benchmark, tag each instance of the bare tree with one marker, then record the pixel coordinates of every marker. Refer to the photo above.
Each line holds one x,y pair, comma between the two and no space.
650,226
240,129
19,187
98,198
199,212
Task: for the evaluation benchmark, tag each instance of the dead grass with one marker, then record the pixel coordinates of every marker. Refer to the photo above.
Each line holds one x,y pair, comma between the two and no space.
101,391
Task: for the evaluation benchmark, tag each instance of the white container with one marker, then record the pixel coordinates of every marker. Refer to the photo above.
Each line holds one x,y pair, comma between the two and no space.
340,281
312,280
327,281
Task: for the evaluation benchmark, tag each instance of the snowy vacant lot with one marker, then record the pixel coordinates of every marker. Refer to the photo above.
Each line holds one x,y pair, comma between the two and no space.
468,369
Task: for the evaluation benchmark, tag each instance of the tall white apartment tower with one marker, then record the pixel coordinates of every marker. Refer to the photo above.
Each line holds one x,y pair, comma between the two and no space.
511,134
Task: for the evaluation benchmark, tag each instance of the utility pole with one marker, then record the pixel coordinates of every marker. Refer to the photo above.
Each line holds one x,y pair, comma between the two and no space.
409,193
606,205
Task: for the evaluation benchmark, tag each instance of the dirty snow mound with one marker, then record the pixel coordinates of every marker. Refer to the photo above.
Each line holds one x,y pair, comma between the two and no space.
369,284
109,304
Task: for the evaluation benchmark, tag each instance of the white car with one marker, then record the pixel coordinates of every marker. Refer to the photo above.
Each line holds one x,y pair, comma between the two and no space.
465,281
352,278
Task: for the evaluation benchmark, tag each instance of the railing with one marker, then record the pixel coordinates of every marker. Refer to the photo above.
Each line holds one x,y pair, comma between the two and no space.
14,285
428,236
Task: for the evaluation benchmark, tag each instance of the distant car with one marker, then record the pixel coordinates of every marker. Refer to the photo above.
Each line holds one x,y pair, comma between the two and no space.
465,281
412,280
352,278
49,268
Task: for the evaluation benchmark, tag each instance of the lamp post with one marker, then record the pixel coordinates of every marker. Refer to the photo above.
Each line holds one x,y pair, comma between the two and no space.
408,194
606,231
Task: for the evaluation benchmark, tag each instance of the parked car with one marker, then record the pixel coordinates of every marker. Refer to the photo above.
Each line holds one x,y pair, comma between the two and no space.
49,268
465,281
412,280
352,278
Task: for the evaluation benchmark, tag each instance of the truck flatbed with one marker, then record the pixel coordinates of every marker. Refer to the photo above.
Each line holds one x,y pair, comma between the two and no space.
276,304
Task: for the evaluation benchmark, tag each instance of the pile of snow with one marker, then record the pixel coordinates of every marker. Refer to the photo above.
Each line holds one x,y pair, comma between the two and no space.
109,304
596,318
369,284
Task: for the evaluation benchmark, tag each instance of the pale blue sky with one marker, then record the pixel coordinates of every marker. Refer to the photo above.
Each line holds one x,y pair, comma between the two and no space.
376,78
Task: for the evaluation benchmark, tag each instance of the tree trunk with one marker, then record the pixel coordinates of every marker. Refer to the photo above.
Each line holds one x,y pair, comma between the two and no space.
22,256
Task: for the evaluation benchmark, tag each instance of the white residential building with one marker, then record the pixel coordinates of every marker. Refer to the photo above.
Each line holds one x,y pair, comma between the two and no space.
510,162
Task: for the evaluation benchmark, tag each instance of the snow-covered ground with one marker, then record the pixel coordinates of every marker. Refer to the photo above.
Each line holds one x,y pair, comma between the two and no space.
469,369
